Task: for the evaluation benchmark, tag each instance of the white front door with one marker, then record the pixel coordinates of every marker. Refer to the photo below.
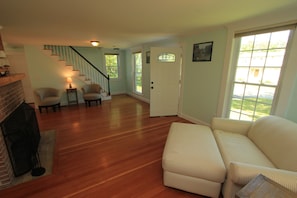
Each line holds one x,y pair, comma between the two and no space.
165,81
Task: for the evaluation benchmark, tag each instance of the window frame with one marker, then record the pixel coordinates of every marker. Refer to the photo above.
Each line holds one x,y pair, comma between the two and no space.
118,65
234,59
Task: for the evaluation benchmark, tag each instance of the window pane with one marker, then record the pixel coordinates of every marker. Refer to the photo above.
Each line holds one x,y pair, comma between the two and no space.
255,75
166,57
248,106
241,74
258,58
246,117
279,39
271,76
275,57
247,43
262,110
266,95
137,72
234,115
244,58
262,41
238,90
236,105
251,91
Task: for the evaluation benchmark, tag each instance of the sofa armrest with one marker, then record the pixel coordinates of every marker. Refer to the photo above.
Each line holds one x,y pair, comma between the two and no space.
241,174
229,125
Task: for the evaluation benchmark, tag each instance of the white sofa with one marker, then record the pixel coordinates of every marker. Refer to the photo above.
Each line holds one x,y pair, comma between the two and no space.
267,146
201,160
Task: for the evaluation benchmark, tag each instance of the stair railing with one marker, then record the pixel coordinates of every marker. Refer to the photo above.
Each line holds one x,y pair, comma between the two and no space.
81,64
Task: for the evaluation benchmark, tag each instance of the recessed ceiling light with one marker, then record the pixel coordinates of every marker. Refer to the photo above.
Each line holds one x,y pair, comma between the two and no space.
95,43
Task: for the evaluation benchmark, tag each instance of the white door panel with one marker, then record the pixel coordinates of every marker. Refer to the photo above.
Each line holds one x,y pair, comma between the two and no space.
165,82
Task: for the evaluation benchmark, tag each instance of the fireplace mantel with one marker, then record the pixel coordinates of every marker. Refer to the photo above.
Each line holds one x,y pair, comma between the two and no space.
5,80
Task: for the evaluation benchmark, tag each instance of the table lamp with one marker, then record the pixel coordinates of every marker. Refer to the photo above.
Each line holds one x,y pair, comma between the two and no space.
69,80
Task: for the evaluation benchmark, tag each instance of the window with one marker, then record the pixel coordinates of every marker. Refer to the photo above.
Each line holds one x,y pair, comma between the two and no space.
258,68
112,65
166,57
137,60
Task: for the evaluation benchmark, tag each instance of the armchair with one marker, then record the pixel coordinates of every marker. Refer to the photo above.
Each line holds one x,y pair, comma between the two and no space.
91,92
47,97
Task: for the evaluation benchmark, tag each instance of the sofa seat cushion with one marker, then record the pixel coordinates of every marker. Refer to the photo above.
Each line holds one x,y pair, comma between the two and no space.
235,147
48,101
92,96
191,150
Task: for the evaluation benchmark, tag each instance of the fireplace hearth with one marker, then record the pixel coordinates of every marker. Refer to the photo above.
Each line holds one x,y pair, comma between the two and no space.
21,134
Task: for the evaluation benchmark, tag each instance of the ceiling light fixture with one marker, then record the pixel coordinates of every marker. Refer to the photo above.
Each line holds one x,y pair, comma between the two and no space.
95,43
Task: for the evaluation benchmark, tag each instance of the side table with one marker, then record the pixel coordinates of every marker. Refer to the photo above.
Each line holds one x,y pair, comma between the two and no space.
72,96
262,186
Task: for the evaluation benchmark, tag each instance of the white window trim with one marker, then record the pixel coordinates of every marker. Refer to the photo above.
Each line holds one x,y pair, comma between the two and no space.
287,77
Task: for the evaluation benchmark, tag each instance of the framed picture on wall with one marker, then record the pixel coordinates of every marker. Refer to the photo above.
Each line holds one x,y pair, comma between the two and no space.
202,51
148,57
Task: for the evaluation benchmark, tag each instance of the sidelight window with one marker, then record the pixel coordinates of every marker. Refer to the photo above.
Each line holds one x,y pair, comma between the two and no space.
137,62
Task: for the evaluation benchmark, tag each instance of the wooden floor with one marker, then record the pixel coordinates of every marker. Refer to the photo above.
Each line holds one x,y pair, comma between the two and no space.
112,150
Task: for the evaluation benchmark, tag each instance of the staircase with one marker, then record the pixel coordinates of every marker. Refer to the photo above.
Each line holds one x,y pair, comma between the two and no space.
87,71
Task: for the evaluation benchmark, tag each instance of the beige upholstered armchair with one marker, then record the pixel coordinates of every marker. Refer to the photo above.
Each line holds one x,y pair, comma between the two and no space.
47,97
91,92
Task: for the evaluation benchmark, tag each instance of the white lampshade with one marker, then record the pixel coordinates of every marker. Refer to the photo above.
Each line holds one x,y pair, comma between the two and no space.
69,80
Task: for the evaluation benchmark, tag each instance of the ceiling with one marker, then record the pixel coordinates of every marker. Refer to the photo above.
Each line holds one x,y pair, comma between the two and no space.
123,23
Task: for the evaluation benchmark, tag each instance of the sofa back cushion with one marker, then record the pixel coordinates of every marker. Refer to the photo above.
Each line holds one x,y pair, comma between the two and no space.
277,138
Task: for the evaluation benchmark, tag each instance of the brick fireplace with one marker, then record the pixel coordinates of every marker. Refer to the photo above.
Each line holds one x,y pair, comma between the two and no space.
11,96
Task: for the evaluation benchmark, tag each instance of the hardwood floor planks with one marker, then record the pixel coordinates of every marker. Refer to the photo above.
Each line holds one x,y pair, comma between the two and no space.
112,150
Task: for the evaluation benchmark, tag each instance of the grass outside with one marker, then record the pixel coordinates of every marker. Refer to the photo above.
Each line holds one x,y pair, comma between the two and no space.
249,106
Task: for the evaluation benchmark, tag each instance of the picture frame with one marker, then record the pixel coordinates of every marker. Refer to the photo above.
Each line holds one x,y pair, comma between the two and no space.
202,51
148,57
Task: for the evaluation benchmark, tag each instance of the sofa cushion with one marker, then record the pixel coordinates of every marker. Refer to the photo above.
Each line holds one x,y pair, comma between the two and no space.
239,148
50,101
91,96
277,138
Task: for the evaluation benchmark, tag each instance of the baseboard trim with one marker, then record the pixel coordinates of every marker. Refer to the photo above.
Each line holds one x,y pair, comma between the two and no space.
139,97
192,119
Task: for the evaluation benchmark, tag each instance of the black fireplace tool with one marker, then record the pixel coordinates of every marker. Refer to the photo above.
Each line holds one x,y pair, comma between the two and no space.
37,170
